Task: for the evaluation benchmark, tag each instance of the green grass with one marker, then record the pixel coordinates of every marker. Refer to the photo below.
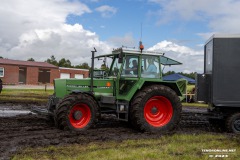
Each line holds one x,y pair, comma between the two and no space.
27,91
178,146
195,104
25,95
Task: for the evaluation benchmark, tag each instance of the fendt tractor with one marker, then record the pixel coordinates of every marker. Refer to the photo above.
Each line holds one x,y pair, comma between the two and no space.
219,84
133,90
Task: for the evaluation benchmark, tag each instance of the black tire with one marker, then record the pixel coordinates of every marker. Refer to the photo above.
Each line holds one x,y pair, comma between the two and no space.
233,123
155,100
76,112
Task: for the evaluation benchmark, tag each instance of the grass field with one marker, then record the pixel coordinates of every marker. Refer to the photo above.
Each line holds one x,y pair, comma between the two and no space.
25,95
178,146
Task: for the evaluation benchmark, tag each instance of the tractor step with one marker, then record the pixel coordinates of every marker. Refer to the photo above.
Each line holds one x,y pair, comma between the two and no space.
122,111
41,111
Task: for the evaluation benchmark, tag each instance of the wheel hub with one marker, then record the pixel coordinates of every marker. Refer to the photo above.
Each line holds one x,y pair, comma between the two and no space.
237,124
77,115
154,110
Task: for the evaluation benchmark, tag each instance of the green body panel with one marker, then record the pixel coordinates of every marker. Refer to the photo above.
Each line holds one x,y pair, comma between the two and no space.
64,87
60,88
178,86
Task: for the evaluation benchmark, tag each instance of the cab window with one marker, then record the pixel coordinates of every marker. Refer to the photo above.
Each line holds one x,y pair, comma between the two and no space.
150,67
115,68
130,67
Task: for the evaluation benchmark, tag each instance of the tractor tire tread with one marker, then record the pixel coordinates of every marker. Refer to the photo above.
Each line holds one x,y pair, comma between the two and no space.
229,121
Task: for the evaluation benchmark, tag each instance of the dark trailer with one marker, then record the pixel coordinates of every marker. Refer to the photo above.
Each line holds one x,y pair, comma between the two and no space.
219,84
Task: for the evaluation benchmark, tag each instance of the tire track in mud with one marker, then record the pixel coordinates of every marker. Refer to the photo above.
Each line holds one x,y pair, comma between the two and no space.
19,132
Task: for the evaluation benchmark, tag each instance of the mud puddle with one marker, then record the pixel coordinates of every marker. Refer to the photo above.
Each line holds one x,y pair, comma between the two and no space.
11,110
12,113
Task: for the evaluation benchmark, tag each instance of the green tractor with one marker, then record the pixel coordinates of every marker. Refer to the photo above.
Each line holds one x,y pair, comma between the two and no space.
133,90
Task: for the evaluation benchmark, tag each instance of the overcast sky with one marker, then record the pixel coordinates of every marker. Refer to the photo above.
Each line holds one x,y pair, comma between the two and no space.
71,28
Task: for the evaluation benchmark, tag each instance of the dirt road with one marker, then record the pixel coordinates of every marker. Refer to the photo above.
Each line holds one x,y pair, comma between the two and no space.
31,130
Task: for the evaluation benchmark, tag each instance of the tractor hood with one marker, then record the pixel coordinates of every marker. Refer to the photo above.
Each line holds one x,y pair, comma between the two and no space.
101,87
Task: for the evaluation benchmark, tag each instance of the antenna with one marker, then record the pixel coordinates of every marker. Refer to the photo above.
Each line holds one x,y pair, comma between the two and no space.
141,47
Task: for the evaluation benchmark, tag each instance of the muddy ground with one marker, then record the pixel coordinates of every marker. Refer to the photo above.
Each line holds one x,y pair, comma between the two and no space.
31,130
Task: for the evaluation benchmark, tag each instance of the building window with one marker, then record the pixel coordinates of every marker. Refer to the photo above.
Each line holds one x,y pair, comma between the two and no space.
1,72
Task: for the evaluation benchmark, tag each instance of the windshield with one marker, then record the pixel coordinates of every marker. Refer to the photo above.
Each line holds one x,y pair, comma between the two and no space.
115,68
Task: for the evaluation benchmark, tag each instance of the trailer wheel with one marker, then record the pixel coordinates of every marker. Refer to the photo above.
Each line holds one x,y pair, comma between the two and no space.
76,112
156,108
233,123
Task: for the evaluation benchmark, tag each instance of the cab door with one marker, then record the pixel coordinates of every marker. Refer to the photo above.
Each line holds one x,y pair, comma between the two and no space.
129,77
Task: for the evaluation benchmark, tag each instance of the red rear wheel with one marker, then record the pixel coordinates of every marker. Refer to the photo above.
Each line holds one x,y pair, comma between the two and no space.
79,115
158,111
155,108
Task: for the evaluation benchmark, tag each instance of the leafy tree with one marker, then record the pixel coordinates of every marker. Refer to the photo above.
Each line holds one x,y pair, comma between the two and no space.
30,59
104,67
1,57
83,66
190,75
52,60
64,63
168,73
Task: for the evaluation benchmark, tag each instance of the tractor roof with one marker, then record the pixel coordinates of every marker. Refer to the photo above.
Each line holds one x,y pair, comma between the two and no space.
163,59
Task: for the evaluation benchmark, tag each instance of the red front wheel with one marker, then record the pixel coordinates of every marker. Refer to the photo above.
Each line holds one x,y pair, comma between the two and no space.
76,112
79,115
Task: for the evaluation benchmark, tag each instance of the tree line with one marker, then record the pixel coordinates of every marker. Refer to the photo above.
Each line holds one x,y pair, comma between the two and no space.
67,63
64,63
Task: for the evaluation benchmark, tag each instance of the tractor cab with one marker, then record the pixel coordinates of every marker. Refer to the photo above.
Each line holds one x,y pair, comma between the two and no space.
132,68
137,64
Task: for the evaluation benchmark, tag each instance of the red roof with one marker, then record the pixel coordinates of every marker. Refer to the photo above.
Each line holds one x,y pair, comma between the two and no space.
26,63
